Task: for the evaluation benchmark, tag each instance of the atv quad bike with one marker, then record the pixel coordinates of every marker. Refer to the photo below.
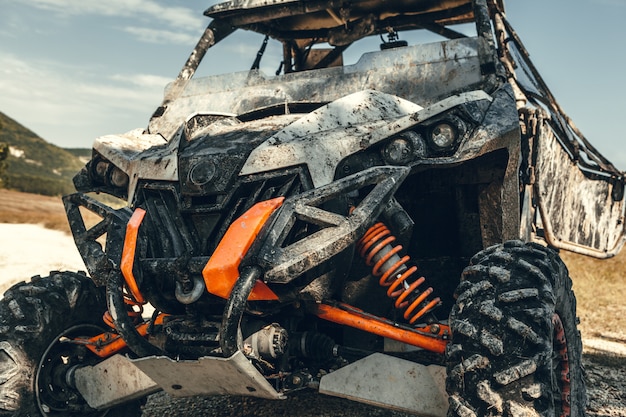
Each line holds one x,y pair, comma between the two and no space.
275,225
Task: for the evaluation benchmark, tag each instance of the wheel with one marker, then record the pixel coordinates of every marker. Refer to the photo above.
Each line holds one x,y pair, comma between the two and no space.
36,321
515,348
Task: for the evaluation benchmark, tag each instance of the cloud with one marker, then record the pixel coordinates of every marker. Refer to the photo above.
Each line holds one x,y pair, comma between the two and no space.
180,17
53,82
55,101
160,36
143,80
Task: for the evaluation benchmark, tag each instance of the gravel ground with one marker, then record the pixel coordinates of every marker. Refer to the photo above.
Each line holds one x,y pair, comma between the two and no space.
606,387
606,384
302,405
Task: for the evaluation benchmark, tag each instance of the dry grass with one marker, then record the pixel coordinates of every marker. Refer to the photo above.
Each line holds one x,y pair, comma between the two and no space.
17,207
600,288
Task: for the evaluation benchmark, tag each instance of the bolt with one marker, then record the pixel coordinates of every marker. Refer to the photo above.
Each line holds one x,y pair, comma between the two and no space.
296,380
434,329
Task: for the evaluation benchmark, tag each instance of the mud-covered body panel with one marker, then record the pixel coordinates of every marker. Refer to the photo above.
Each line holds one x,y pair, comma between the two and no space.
421,74
577,212
322,138
140,156
292,16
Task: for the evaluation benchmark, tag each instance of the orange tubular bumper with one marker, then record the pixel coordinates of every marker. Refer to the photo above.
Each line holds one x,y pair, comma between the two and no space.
352,317
222,270
128,254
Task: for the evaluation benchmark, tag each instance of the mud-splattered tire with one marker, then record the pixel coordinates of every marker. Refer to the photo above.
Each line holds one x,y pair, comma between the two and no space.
34,319
508,355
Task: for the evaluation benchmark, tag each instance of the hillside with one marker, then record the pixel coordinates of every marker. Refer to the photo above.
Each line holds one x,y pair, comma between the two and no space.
34,165
84,154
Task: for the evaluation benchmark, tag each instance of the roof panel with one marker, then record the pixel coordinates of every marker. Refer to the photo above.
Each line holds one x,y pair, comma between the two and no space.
294,15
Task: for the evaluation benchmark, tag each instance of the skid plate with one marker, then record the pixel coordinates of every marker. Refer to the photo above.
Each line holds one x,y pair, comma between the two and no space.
391,382
208,376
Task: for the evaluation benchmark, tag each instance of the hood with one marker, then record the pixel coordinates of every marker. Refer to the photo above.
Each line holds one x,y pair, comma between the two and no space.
322,138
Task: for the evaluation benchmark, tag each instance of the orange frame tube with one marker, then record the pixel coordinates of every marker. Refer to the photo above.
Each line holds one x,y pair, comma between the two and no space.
352,317
107,344
128,254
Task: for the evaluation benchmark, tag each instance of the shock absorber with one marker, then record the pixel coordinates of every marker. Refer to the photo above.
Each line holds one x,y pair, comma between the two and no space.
379,253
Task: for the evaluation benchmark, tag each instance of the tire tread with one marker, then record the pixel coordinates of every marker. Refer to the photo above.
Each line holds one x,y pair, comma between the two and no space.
503,315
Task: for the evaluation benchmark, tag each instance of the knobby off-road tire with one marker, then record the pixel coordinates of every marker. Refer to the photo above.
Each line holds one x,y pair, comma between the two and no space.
508,355
35,318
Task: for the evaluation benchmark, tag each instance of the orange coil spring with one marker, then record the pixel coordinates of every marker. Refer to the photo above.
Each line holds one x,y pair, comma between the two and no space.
131,304
375,247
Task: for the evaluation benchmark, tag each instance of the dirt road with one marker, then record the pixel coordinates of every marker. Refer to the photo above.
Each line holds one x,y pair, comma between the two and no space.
29,249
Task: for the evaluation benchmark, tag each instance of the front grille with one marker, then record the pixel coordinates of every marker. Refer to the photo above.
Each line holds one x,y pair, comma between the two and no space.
180,225
253,189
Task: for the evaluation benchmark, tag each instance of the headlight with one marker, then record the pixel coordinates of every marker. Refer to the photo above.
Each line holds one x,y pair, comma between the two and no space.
202,172
398,151
443,136
118,178
404,148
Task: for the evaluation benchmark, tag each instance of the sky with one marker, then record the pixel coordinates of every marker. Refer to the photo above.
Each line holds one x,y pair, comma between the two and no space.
73,70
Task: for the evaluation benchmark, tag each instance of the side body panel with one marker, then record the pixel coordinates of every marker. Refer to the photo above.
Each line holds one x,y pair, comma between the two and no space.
578,213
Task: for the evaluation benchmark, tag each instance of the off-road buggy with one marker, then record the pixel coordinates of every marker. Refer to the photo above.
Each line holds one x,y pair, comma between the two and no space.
275,226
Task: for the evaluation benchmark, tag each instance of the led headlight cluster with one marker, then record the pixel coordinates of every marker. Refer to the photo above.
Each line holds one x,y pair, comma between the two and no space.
104,172
101,175
437,138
